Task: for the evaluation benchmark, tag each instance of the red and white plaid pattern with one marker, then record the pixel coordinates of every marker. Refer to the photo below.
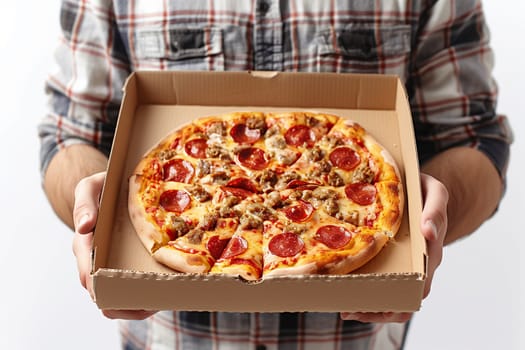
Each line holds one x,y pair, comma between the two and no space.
314,331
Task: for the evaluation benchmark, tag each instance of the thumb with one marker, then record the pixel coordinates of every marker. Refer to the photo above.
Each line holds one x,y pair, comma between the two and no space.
87,195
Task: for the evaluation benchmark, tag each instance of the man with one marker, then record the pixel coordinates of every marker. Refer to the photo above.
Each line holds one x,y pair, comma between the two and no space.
438,48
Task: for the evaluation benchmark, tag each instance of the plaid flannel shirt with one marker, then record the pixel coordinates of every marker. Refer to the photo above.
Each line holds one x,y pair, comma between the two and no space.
439,48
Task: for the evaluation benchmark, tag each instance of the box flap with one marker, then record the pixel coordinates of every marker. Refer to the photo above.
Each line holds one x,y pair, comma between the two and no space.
281,89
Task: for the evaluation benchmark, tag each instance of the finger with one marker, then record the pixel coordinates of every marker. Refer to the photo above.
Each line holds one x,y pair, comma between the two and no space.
87,193
433,224
434,216
377,317
128,314
82,245
435,256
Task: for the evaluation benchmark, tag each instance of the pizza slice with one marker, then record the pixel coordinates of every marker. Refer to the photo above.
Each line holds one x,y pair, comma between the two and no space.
178,223
242,256
329,247
197,250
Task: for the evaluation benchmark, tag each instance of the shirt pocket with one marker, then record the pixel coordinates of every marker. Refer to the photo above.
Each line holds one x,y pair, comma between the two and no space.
366,48
197,48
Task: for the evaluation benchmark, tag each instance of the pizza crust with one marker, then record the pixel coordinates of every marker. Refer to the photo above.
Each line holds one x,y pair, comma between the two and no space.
393,199
150,236
304,269
245,271
181,261
349,261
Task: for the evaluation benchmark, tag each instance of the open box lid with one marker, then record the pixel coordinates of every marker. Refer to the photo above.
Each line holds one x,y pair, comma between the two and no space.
127,277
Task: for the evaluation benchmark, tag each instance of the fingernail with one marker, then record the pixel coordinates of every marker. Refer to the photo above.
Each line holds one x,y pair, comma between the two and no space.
433,228
84,219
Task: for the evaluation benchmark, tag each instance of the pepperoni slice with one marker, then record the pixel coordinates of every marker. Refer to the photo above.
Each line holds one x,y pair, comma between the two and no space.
286,245
300,212
196,148
302,185
237,192
361,193
253,158
333,236
242,134
344,158
244,183
236,246
175,200
300,135
216,245
178,170
241,187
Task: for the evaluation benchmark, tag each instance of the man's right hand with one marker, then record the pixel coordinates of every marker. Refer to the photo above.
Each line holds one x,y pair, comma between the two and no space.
87,195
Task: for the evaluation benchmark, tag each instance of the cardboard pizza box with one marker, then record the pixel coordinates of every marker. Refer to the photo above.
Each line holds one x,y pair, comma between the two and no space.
127,277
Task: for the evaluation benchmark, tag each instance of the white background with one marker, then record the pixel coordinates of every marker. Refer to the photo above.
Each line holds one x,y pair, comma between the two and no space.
475,302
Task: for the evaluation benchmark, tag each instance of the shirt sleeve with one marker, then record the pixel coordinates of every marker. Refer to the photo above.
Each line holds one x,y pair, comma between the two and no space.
452,92
84,88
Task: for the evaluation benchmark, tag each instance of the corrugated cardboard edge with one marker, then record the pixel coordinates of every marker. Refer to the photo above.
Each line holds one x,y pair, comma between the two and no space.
383,290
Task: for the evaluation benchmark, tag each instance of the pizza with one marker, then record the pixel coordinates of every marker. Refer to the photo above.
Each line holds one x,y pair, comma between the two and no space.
256,194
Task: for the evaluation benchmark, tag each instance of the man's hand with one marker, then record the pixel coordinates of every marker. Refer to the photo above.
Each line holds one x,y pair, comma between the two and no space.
87,194
434,228
434,223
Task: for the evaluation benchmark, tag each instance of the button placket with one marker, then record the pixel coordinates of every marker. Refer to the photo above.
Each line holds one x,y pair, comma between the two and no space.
267,36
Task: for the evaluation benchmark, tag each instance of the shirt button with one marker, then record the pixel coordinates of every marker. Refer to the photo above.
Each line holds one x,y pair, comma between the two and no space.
263,7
